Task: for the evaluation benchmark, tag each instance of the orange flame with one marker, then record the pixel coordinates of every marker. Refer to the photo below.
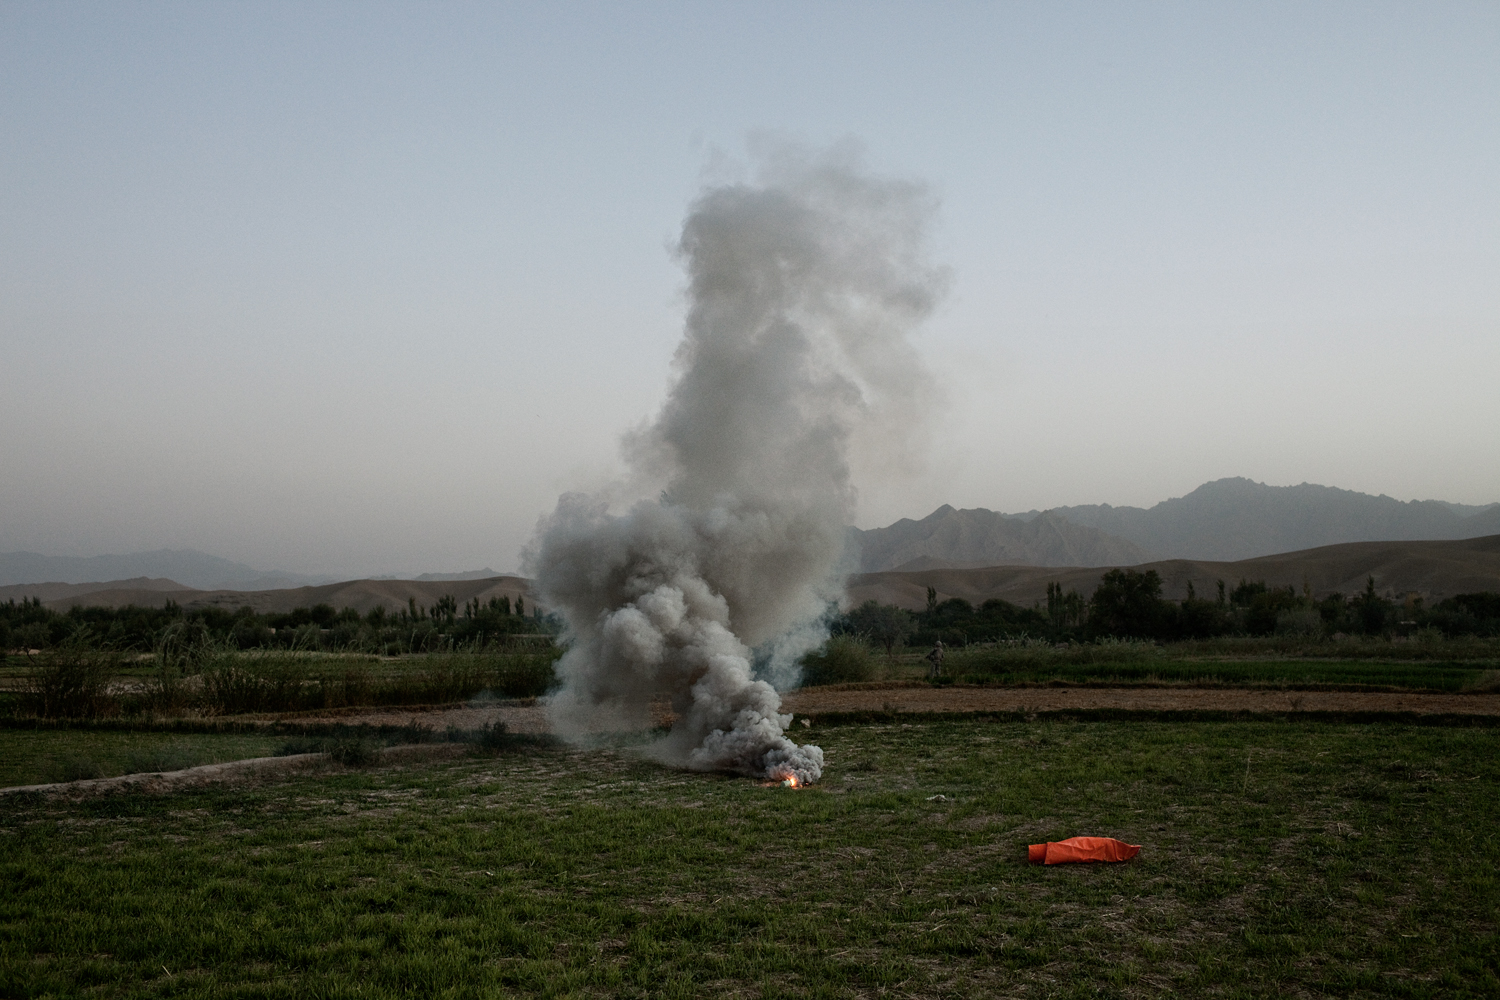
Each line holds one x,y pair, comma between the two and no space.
791,781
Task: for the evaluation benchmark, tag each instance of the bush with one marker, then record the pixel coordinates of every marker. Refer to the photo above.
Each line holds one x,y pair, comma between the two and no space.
250,634
354,752
524,675
1303,621
33,635
492,736
184,647
233,689
72,681
844,659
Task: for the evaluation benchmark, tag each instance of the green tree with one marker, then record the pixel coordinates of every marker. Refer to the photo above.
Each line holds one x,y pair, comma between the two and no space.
1128,603
446,609
1064,611
883,623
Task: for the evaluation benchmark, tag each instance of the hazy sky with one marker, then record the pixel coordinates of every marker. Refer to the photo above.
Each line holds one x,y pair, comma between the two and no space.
361,288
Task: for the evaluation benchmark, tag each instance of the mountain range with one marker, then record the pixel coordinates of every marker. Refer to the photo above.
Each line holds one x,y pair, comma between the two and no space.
1225,520
956,539
180,567
187,567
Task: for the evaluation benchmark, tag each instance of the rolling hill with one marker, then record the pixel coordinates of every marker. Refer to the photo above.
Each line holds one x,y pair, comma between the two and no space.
361,595
1433,570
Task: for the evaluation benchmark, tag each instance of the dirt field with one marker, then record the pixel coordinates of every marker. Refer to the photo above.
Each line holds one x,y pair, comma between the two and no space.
532,717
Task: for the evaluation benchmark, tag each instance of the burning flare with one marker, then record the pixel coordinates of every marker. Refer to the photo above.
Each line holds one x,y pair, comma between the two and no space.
802,289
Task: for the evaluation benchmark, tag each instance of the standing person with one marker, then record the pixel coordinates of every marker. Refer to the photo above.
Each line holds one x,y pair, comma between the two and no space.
936,659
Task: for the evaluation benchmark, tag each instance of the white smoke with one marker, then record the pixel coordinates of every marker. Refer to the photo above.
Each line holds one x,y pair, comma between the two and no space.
802,289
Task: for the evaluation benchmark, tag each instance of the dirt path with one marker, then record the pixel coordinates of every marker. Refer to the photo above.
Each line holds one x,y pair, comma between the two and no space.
158,782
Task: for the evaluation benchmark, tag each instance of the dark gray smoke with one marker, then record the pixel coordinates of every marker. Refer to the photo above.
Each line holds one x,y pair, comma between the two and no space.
802,289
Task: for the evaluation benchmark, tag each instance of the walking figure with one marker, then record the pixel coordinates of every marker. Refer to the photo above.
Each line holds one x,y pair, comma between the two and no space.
936,659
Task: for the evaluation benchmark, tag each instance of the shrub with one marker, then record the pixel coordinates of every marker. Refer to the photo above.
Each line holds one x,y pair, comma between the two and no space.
72,681
251,634
492,736
33,635
1487,681
1302,621
354,752
844,659
524,675
184,647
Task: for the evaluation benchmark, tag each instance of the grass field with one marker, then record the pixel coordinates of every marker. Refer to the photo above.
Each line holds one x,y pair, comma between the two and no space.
32,757
1306,674
103,684
1278,858
1452,665
95,683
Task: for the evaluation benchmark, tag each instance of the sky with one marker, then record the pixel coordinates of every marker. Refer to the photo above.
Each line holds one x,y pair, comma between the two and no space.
362,288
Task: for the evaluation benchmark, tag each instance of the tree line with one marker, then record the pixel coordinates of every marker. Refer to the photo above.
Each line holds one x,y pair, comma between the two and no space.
1127,604
414,628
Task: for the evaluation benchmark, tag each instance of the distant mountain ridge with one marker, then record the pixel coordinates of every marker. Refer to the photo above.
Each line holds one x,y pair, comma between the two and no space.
980,537
1225,520
186,566
182,568
470,574
1231,519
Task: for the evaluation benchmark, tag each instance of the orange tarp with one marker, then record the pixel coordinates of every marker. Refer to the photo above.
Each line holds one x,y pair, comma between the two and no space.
1082,849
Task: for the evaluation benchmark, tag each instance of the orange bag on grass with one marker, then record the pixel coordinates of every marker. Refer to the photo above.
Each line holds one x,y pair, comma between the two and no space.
1082,849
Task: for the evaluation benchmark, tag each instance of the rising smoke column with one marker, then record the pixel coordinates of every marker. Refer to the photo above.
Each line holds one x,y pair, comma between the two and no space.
802,289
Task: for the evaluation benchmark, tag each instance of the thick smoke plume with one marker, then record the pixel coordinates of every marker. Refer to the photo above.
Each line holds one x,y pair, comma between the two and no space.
802,289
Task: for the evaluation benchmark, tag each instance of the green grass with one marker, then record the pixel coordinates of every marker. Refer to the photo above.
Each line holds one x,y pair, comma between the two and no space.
1454,665
261,681
33,757
1304,674
1278,858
